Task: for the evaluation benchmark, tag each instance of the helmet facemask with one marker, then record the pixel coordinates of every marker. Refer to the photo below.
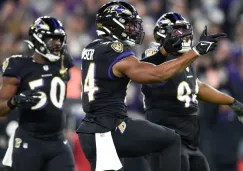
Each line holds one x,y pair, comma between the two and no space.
54,44
187,40
134,32
179,25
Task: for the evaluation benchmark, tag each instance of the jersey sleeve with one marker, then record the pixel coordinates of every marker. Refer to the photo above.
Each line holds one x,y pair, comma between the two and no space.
118,52
11,67
150,51
154,56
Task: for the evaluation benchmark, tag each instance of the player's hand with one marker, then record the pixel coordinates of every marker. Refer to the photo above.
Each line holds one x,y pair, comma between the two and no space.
237,107
29,98
207,42
173,43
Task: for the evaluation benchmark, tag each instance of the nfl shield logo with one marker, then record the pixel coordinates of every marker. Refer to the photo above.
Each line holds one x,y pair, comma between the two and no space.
46,67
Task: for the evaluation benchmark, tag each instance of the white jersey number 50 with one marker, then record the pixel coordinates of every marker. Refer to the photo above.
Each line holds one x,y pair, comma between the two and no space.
55,82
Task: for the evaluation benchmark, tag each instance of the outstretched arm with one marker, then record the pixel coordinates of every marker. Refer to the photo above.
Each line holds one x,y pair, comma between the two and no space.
147,73
210,94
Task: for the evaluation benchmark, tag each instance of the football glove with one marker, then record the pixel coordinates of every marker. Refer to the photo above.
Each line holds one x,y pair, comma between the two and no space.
26,99
237,107
207,42
173,43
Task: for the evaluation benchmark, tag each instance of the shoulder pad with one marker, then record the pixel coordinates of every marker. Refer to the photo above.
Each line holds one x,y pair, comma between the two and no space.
6,61
150,52
96,40
154,44
12,64
154,48
5,64
16,56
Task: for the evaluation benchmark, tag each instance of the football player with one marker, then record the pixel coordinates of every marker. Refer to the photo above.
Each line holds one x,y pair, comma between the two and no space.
174,103
108,65
36,87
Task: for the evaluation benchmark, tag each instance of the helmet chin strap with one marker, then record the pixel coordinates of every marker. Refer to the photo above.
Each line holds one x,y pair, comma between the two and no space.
50,57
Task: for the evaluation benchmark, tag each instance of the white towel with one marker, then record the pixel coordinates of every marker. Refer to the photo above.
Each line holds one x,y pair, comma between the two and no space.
7,160
106,155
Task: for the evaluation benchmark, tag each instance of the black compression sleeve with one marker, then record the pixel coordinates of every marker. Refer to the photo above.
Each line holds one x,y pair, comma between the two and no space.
156,59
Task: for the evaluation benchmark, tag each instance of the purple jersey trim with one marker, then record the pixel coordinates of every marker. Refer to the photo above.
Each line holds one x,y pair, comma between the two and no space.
120,57
157,85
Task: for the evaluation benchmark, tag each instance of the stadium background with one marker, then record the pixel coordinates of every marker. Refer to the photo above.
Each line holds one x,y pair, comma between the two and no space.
221,133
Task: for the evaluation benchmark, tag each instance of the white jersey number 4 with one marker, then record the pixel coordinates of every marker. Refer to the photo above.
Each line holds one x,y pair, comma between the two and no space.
89,84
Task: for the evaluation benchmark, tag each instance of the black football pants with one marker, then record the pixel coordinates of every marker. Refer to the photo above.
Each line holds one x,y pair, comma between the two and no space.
140,138
34,154
191,160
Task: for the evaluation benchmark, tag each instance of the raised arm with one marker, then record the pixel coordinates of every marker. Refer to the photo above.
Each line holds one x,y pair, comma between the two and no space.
147,73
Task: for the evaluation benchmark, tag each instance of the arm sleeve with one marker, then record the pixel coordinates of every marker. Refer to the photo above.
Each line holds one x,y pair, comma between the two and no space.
157,58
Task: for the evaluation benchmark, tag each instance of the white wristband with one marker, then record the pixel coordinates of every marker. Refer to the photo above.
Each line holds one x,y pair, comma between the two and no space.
195,50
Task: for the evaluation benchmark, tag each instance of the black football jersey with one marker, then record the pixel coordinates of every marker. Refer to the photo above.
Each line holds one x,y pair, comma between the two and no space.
174,104
46,116
178,95
103,93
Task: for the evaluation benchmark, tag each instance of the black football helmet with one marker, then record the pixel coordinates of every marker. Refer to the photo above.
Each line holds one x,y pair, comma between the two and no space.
120,21
44,33
180,26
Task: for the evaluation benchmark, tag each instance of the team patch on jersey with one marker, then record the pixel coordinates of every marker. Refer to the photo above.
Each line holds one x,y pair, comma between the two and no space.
18,141
122,127
5,65
117,46
150,52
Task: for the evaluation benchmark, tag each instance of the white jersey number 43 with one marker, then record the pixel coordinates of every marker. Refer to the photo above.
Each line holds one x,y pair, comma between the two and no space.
184,93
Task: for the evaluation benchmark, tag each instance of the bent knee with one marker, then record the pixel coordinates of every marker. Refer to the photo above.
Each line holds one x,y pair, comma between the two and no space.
176,139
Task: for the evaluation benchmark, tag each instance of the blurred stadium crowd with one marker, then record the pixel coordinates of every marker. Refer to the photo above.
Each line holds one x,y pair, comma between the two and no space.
221,133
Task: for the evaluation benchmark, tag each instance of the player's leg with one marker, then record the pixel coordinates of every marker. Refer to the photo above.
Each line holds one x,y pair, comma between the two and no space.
27,154
198,162
154,161
61,158
139,138
185,165
137,163
142,137
87,142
